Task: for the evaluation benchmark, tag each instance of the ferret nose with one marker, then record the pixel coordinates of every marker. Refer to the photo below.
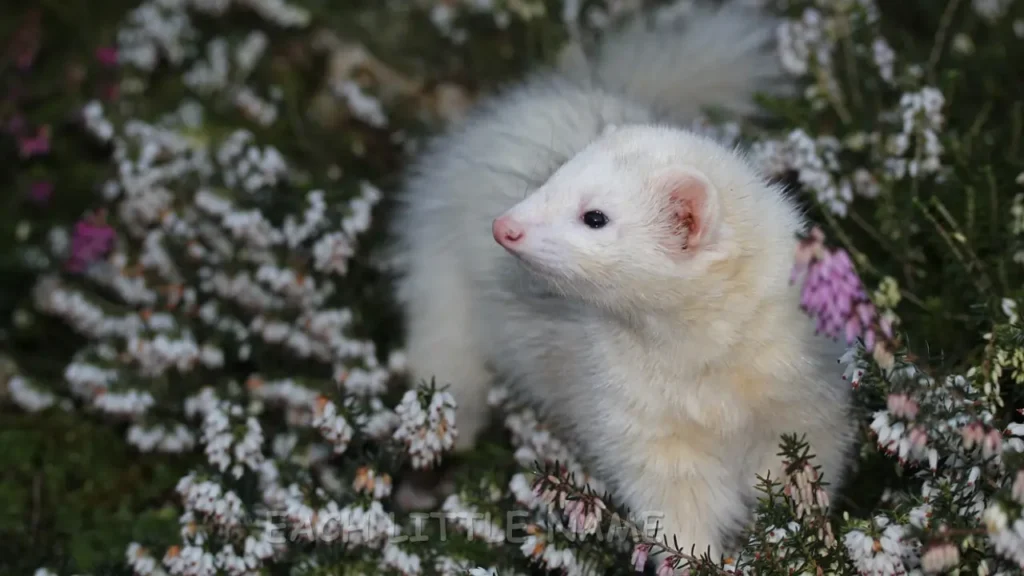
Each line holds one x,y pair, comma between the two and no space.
507,231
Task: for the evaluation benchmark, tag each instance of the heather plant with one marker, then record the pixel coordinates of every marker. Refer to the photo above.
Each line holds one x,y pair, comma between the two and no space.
202,369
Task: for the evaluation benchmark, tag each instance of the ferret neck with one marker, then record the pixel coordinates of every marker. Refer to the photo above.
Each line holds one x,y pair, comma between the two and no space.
703,334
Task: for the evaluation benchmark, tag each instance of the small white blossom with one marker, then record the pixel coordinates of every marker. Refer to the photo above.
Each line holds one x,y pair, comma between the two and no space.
426,433
333,425
27,396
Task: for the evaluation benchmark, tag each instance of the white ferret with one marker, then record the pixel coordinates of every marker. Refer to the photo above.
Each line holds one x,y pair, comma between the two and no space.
628,277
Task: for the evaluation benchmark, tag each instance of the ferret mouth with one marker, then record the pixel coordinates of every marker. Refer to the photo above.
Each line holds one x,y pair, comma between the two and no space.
533,264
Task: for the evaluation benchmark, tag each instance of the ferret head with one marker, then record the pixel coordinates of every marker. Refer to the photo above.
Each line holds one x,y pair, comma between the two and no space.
635,219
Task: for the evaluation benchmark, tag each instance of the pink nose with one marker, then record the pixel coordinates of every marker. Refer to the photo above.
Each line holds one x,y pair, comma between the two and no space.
507,231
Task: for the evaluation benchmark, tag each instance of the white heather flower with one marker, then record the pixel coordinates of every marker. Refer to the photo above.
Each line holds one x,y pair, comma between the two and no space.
1017,490
922,121
84,317
332,425
426,433
884,59
770,157
535,444
804,43
962,44
1006,535
865,183
360,207
141,562
523,492
124,404
161,439
405,563
208,500
190,561
220,441
367,480
314,218
249,52
279,12
155,30
332,252
95,123
991,10
882,556
201,403
248,452
254,107
1009,308
816,162
364,107
213,75
27,396
353,525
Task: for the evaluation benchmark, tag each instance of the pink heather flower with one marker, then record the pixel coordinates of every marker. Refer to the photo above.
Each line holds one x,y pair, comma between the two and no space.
41,191
107,56
918,437
972,435
667,567
90,242
640,554
992,444
832,293
901,405
36,145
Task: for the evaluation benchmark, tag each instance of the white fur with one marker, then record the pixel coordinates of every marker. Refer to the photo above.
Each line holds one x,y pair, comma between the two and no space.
674,368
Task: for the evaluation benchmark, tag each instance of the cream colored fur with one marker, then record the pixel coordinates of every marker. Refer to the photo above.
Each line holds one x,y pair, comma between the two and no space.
675,371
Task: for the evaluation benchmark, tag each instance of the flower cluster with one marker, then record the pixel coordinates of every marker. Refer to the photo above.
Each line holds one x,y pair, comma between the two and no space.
427,426
922,121
833,294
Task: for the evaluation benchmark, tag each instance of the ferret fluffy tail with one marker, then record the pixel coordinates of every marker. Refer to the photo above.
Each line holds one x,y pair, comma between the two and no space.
706,57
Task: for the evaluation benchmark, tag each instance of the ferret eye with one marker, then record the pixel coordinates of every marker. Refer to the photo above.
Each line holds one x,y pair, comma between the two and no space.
595,219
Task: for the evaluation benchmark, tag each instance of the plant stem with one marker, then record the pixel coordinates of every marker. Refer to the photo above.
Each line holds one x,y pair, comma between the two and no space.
940,37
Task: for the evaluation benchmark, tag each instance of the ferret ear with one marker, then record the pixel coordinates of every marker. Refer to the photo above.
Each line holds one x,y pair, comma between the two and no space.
691,206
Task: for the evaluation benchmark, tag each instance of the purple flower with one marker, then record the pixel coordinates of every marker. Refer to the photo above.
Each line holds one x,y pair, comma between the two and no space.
41,191
107,56
90,242
833,294
36,145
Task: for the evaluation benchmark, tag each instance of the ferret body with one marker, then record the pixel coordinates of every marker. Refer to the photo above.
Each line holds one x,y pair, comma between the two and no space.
628,277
